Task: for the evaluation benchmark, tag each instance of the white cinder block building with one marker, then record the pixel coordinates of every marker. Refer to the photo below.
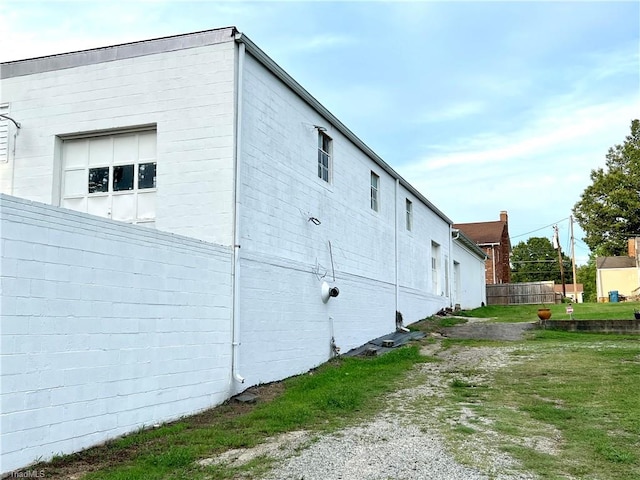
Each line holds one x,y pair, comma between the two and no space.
201,143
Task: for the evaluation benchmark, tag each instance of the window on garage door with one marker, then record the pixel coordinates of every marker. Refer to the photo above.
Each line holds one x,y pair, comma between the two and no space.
112,176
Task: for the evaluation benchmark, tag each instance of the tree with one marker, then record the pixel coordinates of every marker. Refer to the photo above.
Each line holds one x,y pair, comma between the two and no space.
536,260
609,209
587,277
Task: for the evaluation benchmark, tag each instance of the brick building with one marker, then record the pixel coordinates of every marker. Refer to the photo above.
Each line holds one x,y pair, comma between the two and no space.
493,238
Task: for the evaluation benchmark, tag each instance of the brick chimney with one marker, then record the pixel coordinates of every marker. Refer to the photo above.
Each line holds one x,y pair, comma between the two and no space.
504,217
631,247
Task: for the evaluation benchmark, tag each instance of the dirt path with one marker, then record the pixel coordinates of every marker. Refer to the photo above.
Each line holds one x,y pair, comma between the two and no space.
408,440
478,329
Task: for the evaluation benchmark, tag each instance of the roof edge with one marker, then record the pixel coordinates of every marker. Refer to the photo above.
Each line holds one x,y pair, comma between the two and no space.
470,244
17,68
92,56
279,72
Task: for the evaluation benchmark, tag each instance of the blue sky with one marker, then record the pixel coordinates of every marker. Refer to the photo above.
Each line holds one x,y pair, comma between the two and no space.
482,106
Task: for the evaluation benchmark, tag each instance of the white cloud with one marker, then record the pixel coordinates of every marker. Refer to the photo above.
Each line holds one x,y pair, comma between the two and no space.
319,42
453,111
556,129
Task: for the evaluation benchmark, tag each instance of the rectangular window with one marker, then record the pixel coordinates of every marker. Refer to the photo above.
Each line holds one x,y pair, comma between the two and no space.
409,214
112,175
375,191
456,281
99,179
4,134
122,178
146,175
324,156
446,275
435,268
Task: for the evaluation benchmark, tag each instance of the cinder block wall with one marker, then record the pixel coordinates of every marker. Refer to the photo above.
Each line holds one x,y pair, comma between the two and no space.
286,329
106,327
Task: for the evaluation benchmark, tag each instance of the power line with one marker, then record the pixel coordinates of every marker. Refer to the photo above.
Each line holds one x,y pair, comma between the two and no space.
541,228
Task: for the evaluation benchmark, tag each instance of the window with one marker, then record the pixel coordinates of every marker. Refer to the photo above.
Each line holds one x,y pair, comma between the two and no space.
456,280
4,134
122,178
324,156
375,191
111,175
446,275
435,268
409,214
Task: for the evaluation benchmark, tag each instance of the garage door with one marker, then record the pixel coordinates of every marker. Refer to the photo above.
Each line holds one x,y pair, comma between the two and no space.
112,176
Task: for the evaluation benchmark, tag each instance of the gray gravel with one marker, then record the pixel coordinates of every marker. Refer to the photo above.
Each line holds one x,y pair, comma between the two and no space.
404,442
384,449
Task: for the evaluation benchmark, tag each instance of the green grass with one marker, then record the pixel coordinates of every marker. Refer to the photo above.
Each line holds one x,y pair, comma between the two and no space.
581,311
584,386
336,394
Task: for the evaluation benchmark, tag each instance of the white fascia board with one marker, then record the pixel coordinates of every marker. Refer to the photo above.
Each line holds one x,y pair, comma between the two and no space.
274,68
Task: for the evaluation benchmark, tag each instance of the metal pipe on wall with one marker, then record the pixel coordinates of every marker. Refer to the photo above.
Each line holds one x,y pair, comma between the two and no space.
235,270
397,293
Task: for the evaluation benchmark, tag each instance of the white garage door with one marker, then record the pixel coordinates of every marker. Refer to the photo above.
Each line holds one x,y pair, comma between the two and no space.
112,176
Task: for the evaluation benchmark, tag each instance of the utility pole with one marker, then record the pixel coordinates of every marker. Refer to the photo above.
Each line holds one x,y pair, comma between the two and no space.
573,261
556,244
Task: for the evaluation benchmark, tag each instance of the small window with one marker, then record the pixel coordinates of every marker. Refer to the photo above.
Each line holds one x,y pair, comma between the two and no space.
435,268
324,156
4,134
99,179
122,178
147,175
409,214
375,189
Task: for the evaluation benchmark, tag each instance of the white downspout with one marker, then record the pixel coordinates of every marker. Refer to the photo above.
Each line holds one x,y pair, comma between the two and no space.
235,270
397,292
493,261
449,270
452,274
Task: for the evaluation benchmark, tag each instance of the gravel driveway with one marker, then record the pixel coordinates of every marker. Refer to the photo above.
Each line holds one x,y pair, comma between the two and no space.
404,442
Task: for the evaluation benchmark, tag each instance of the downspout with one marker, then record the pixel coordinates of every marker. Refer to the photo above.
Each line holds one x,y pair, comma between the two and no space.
493,261
395,220
450,266
452,274
235,270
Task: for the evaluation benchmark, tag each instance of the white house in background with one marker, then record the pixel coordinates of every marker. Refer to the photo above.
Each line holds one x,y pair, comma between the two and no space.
204,136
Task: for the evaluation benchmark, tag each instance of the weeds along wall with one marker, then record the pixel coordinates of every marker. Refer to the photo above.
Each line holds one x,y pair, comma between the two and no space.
106,327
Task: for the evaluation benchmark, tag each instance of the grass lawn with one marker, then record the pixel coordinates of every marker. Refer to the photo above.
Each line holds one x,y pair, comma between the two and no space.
579,392
338,393
581,311
581,389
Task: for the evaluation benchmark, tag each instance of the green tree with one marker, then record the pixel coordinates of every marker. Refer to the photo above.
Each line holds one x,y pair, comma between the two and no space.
536,260
609,209
586,275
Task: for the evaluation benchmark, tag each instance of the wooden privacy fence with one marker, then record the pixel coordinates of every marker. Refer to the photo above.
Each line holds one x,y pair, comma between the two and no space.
520,293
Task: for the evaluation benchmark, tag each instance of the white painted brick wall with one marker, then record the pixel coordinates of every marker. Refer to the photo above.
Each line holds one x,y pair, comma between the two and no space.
188,94
472,290
285,328
106,327
285,325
